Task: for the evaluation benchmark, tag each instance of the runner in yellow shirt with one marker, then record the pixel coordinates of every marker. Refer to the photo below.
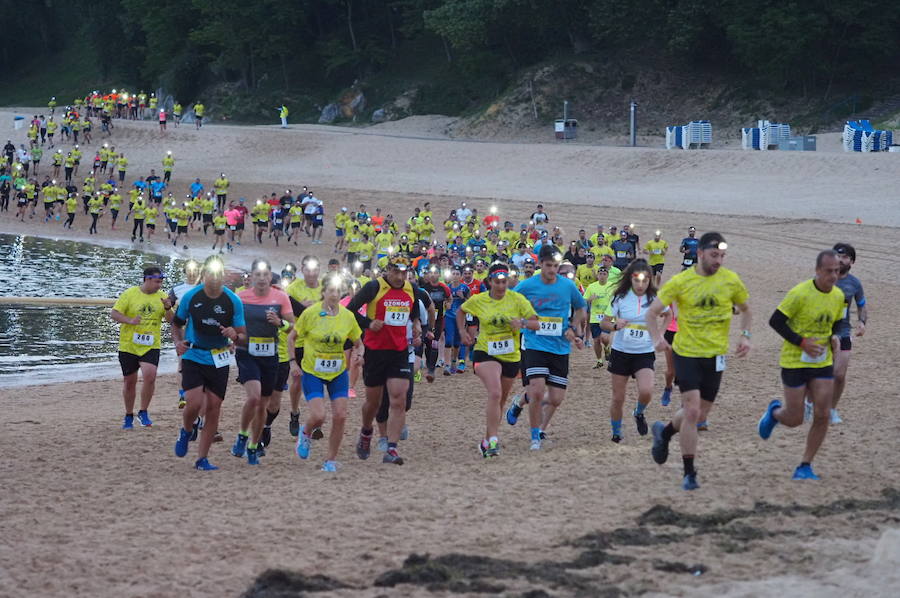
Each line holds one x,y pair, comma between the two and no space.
71,208
704,296
304,291
502,313
598,294
809,320
150,215
140,310
219,225
656,250
168,163
323,328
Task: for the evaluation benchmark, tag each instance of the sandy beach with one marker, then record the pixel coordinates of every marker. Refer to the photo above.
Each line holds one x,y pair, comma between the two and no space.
90,510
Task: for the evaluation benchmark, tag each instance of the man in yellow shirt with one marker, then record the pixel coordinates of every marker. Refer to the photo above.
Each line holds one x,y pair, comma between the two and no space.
199,111
808,319
140,310
704,296
656,250
122,165
168,162
303,291
221,185
598,295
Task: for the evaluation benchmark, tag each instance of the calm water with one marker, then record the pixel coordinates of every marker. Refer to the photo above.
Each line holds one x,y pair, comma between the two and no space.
52,343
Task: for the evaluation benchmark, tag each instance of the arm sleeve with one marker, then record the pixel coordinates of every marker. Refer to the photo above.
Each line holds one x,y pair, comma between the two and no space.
181,314
779,323
366,294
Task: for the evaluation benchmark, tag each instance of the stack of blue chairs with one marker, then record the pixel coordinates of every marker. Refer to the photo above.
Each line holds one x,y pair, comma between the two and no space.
863,137
695,134
765,135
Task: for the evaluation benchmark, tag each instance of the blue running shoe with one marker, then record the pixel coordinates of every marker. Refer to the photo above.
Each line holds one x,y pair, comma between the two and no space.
128,423
252,456
303,444
461,366
660,449
514,411
703,426
329,466
240,446
144,419
181,445
804,472
768,422
204,465
666,397
690,482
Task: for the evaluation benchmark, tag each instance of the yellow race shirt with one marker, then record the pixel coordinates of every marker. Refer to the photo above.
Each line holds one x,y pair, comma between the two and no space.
585,275
811,313
299,292
656,249
140,338
602,294
704,310
495,336
323,338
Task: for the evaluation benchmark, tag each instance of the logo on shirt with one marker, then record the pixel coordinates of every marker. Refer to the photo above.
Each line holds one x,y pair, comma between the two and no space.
707,302
218,309
198,304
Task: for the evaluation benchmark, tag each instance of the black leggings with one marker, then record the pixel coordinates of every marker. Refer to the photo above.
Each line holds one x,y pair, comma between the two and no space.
70,219
431,347
384,407
93,228
138,224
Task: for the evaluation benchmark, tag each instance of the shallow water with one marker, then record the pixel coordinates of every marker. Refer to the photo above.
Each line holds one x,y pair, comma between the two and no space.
44,344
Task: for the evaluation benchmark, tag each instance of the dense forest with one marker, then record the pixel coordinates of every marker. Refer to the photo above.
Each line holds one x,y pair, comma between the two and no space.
188,45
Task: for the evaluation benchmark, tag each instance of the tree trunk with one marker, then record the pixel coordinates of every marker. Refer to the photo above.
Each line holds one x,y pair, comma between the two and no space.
350,24
390,18
447,49
284,72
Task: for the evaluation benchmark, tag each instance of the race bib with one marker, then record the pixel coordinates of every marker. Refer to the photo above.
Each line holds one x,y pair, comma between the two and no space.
634,338
720,363
143,339
233,227
329,363
261,346
846,312
656,251
396,315
502,345
621,254
549,326
221,357
688,262
807,358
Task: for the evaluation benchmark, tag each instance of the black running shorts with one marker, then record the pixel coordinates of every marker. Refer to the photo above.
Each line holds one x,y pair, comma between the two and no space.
131,363
213,380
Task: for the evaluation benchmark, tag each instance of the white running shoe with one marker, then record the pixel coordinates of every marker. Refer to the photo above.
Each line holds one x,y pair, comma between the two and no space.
536,444
836,417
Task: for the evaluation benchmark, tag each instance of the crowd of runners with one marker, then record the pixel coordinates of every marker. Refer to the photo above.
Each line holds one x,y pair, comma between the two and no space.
413,306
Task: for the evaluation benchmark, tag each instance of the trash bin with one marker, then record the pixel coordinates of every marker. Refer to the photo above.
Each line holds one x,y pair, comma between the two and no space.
18,122
566,128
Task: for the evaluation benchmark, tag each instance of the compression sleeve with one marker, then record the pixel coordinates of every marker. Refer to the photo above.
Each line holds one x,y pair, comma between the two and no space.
365,295
779,323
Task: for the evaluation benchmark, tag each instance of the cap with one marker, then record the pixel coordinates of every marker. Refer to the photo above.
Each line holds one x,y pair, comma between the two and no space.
399,262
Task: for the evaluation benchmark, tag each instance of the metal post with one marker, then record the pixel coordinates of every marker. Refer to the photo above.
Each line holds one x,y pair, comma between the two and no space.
565,109
633,124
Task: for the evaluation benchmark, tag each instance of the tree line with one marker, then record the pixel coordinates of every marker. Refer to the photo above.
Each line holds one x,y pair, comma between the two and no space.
295,44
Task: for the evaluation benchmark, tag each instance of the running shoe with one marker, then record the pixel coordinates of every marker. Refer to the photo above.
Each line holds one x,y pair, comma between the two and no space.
382,444
483,448
181,401
417,377
252,456
804,472
660,449
616,438
666,397
217,437
493,449
447,370
514,411
240,446
294,425
641,423
128,423
807,410
204,465
181,445
461,366
266,438
392,457
836,417
195,431
690,482
144,419
703,426
329,466
404,433
364,446
768,422
429,376
535,444
599,364
260,451
317,434
303,444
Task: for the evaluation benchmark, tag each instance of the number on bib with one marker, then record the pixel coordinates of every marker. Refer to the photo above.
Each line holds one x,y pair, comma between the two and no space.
501,346
329,363
621,254
221,357
634,338
656,251
396,315
549,326
143,339
261,346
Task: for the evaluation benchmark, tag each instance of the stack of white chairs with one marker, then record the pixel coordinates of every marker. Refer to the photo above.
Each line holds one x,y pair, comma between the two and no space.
696,134
766,135
863,137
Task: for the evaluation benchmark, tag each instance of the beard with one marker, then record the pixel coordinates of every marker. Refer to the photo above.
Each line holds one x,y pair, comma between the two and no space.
844,269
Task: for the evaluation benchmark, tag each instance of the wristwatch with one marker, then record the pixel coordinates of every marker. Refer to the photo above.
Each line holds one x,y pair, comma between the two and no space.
746,333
